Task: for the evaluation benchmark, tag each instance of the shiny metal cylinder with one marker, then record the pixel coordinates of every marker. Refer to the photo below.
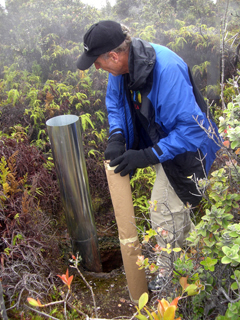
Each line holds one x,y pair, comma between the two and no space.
68,155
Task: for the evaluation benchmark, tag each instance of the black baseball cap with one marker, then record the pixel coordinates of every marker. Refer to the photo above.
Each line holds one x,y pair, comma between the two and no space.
100,38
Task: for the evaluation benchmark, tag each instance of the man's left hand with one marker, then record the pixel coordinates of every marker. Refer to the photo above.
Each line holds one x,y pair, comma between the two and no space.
133,159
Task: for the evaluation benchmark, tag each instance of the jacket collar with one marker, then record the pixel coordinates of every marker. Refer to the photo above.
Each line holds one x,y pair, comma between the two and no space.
141,61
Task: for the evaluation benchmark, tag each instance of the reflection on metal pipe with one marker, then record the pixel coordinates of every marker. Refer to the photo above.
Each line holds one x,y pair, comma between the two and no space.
65,137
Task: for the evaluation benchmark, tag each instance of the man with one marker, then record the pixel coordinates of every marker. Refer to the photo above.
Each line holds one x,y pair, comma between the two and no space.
154,112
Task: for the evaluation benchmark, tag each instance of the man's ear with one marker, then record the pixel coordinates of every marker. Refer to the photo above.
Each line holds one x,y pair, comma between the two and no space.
114,56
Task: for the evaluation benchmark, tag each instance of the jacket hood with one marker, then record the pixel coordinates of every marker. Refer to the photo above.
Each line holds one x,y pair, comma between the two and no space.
142,57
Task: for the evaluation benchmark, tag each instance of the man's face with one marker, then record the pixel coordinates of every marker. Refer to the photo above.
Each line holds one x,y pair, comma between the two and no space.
114,64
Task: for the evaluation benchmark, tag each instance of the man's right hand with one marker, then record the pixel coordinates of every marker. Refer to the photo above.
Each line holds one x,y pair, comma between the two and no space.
116,147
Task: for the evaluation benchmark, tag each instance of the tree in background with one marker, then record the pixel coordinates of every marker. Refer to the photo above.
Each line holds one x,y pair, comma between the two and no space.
43,36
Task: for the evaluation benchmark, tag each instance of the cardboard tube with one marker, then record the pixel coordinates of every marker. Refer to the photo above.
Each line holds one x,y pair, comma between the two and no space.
121,196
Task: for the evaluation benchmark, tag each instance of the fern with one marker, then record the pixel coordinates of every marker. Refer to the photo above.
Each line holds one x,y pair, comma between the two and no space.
85,120
97,102
25,202
13,96
61,87
202,68
82,97
32,95
101,135
93,152
4,171
49,85
8,180
148,33
101,116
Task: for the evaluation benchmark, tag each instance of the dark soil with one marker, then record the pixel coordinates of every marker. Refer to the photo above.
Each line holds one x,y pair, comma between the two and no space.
111,294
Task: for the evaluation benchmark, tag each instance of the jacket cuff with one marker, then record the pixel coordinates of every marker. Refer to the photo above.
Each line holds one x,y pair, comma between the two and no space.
157,150
150,155
117,137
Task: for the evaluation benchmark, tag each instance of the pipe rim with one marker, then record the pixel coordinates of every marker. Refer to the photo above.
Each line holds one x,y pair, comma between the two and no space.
63,120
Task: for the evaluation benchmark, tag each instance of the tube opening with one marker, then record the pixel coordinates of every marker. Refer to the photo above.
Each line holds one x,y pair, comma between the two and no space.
63,120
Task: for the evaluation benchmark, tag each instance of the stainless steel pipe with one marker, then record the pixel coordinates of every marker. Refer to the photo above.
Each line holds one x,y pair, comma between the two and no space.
68,155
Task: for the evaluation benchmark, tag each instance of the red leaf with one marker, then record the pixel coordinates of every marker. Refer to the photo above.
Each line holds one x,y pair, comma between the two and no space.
226,143
66,279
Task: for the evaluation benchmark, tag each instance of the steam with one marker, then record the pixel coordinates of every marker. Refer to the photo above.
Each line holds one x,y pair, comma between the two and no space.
99,4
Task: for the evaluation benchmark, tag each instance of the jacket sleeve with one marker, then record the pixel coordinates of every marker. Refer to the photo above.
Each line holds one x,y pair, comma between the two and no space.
177,112
113,98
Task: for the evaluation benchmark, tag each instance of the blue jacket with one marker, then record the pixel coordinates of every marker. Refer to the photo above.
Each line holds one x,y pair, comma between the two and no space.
174,111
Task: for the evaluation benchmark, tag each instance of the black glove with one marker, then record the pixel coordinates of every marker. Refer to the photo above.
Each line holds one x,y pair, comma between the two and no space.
133,159
116,147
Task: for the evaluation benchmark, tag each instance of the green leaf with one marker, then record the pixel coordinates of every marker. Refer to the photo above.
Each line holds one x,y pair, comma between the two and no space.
236,274
149,314
215,196
234,286
141,317
54,311
209,263
34,303
235,144
143,300
191,290
177,249
226,260
226,250
209,242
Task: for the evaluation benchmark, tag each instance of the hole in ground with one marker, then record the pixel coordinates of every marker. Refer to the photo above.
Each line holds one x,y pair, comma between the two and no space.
111,259
110,253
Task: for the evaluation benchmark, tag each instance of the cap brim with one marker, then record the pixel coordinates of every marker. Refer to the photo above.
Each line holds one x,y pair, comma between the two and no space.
84,62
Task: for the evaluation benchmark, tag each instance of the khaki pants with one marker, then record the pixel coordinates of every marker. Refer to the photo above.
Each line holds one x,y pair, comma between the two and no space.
169,216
